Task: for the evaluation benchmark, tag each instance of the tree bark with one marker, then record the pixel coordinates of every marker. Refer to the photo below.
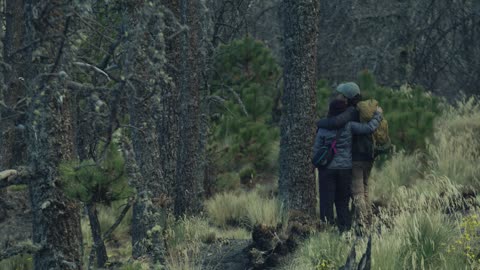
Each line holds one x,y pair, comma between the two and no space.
12,145
167,123
189,177
145,156
297,180
56,219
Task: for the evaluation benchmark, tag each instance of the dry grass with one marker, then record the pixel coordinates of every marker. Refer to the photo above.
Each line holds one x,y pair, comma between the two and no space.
455,148
243,208
401,170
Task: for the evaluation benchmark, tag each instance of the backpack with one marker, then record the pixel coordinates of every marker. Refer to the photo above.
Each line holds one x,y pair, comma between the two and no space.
381,140
326,152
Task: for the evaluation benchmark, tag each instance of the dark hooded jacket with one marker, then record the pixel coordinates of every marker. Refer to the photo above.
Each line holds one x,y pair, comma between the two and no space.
343,158
362,145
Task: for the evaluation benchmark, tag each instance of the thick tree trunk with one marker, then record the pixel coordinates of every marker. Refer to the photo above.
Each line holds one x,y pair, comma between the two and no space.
146,157
56,219
297,180
189,183
99,245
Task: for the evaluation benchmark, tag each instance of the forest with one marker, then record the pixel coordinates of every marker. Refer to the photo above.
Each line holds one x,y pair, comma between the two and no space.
177,134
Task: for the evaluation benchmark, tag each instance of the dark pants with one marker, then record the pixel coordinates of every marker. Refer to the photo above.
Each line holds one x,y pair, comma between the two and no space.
335,188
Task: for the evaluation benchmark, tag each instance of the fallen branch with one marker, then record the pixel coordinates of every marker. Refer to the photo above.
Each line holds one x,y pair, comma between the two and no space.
14,177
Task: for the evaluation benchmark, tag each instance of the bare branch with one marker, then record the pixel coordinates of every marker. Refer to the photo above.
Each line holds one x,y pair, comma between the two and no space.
81,64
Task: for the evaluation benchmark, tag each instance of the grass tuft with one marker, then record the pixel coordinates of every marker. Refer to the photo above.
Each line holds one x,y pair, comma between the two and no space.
243,208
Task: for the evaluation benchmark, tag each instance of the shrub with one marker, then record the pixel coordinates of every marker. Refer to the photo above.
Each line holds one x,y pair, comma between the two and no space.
468,243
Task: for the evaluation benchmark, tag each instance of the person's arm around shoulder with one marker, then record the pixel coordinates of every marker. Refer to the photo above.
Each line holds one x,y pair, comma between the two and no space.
338,121
371,126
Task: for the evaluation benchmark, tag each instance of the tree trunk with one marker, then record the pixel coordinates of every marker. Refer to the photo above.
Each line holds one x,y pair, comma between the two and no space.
167,123
56,219
297,180
144,160
99,245
12,143
189,183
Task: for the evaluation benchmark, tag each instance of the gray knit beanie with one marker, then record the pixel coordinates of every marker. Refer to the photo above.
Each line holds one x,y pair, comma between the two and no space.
349,89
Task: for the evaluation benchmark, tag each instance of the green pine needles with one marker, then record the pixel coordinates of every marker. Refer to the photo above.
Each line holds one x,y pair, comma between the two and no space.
102,181
245,86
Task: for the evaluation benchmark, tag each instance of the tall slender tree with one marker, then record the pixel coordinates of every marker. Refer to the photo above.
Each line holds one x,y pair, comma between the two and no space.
167,119
297,181
189,176
143,80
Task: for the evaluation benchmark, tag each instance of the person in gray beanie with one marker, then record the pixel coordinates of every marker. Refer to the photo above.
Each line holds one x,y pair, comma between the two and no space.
362,154
335,178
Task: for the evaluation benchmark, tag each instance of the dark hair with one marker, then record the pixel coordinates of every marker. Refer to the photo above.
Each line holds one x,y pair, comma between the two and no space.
353,101
336,107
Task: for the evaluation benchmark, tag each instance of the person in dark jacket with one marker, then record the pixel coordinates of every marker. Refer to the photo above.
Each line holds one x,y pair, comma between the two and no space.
335,181
362,154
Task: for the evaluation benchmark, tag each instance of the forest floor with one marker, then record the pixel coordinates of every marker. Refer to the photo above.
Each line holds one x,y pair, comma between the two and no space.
16,227
226,254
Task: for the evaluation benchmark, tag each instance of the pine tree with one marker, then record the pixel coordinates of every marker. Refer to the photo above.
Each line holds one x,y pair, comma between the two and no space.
97,182
244,84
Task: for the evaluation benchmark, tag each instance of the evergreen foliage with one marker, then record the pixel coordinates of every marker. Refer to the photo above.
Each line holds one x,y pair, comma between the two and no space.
244,83
410,111
102,181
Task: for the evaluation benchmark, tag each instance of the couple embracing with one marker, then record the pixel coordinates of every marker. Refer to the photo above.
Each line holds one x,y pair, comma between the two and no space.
344,154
